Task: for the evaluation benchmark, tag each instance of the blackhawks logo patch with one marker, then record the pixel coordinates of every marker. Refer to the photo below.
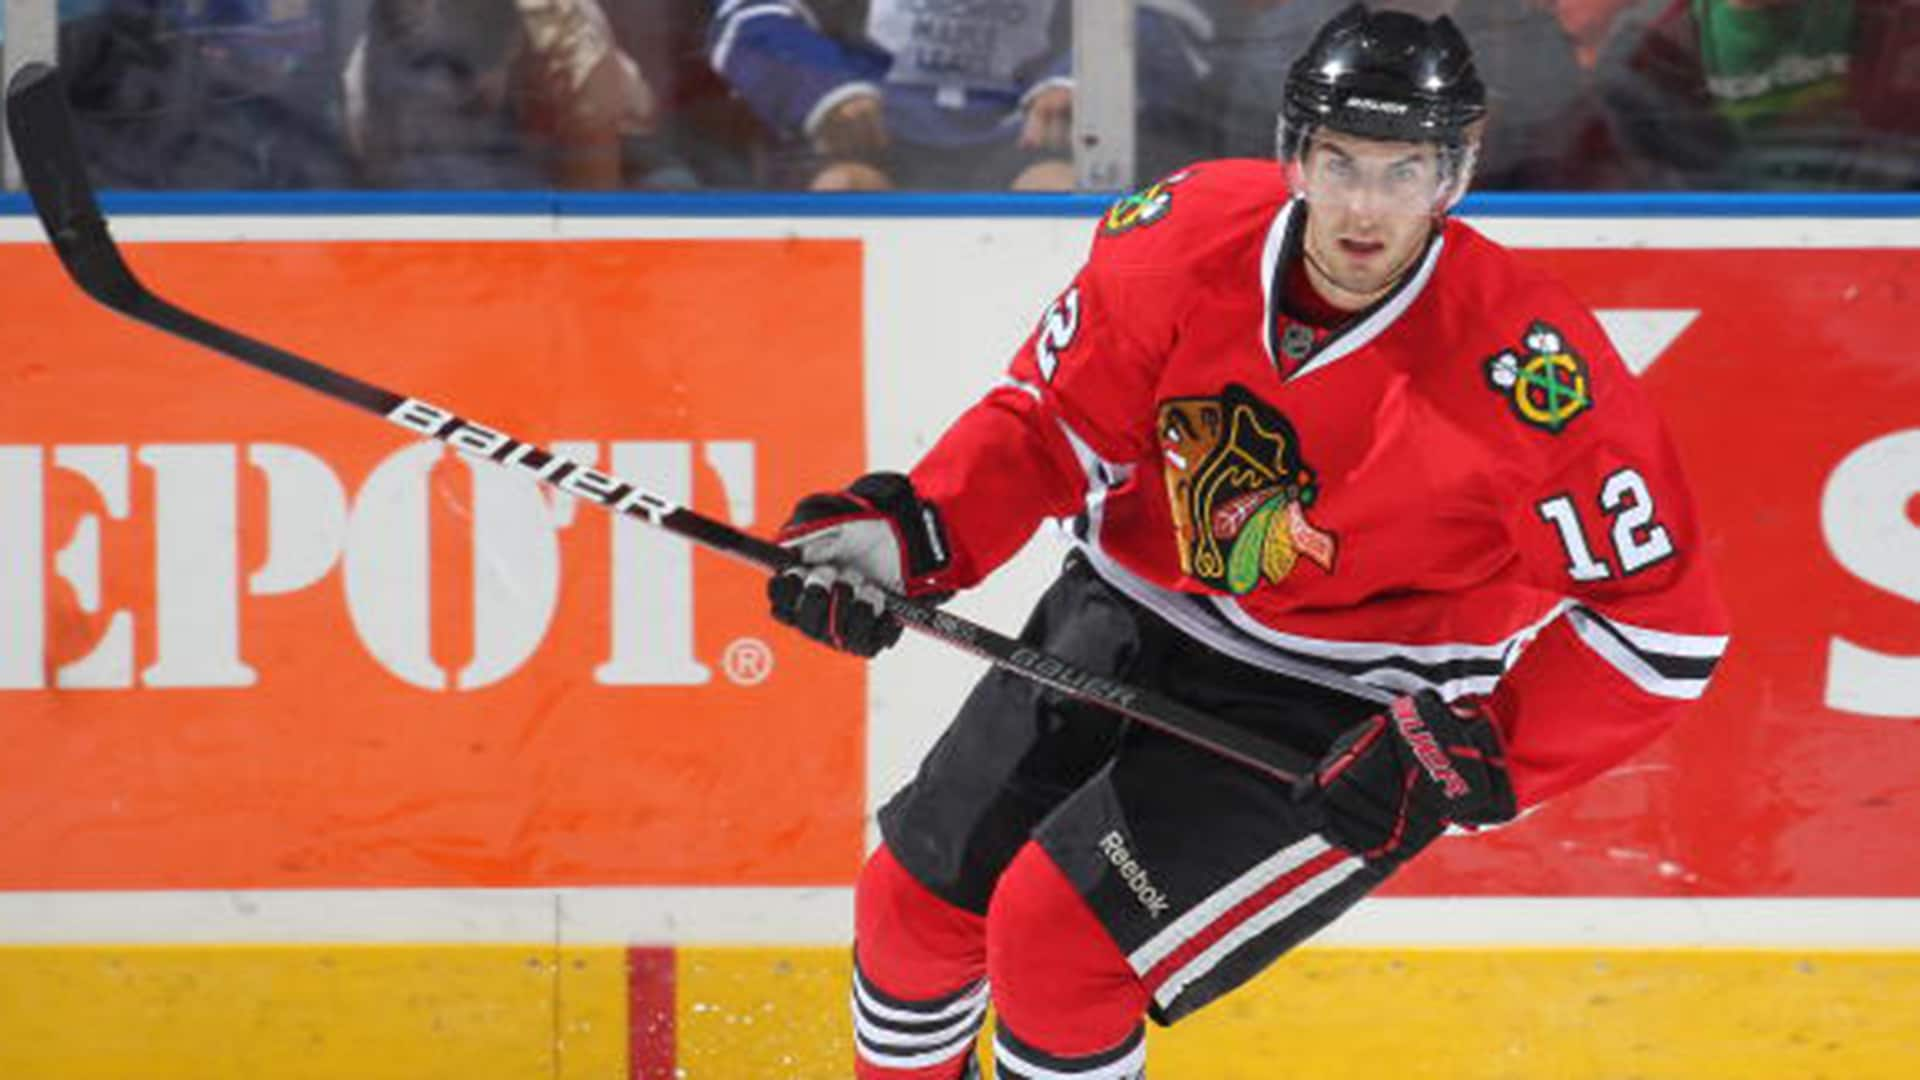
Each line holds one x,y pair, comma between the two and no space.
1142,208
1240,492
1547,386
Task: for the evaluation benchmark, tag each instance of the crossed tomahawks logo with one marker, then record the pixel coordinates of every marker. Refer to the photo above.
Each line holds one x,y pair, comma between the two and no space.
1549,385
1142,208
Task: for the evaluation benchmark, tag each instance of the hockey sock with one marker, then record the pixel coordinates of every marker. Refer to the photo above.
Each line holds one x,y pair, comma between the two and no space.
1068,1003
919,992
1016,1060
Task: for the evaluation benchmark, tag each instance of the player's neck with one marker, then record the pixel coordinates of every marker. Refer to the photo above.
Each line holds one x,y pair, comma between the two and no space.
1343,300
1346,301
1306,300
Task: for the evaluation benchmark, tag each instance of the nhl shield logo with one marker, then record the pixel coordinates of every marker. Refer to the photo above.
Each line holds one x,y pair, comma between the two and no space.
1240,492
1549,385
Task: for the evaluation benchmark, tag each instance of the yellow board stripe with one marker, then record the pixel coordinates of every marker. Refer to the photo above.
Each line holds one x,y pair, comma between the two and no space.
1442,1014
319,1012
1563,1013
499,1012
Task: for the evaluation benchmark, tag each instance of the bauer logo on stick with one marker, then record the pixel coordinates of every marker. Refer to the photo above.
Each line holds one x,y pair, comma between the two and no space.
478,441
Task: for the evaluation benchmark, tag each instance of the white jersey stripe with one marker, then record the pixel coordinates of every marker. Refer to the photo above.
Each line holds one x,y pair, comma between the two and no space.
1440,653
1027,388
1666,642
1593,632
1269,270
1370,686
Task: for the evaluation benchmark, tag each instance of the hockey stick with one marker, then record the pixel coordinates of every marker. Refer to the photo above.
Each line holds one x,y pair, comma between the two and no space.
43,139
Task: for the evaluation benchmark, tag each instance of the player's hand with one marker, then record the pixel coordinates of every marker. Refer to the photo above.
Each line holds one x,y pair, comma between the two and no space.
877,534
1395,781
855,128
1049,124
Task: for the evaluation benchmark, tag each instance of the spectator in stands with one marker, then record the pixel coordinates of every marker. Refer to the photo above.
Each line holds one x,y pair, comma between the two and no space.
499,94
703,128
1781,94
1885,84
1588,23
958,94
1541,124
234,94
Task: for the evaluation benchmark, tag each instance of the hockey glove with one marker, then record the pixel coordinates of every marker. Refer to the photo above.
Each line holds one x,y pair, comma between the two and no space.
875,533
1395,781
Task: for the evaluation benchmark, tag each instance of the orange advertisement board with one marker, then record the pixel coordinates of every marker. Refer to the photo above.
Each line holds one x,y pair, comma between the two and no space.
253,638
248,637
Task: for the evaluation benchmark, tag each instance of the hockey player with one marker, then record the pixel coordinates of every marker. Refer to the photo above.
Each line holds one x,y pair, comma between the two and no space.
1310,432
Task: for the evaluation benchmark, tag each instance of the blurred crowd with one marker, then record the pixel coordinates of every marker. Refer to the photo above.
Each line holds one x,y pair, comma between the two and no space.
1708,95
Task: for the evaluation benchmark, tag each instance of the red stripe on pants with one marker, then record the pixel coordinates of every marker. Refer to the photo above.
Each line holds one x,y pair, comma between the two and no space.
1240,913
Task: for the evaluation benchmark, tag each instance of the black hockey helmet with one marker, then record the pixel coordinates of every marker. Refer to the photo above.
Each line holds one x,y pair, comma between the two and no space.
1387,75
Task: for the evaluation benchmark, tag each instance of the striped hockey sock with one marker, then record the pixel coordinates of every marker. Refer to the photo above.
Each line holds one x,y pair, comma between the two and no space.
1015,1060
898,1039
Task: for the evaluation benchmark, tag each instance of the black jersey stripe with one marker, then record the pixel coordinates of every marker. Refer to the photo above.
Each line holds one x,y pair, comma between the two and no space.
1671,666
1436,672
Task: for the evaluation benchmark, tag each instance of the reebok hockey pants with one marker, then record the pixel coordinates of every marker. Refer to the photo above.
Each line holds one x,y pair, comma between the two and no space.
1083,872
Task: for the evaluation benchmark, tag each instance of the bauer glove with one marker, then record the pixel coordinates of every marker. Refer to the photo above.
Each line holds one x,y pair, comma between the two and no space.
875,535
1395,781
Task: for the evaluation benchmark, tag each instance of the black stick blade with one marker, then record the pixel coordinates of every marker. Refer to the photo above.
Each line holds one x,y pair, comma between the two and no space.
56,178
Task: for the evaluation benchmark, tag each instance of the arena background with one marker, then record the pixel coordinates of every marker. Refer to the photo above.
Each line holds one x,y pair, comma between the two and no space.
325,754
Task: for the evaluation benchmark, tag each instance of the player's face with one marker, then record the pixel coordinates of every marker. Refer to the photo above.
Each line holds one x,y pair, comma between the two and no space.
1370,207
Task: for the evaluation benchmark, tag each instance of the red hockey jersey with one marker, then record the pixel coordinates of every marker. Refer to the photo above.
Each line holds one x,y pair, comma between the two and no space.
1463,489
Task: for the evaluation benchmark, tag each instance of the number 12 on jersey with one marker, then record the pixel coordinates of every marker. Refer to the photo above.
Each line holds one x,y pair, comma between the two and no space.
1638,540
1057,330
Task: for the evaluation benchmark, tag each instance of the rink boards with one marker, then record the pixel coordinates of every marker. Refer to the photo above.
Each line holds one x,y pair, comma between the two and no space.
326,753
